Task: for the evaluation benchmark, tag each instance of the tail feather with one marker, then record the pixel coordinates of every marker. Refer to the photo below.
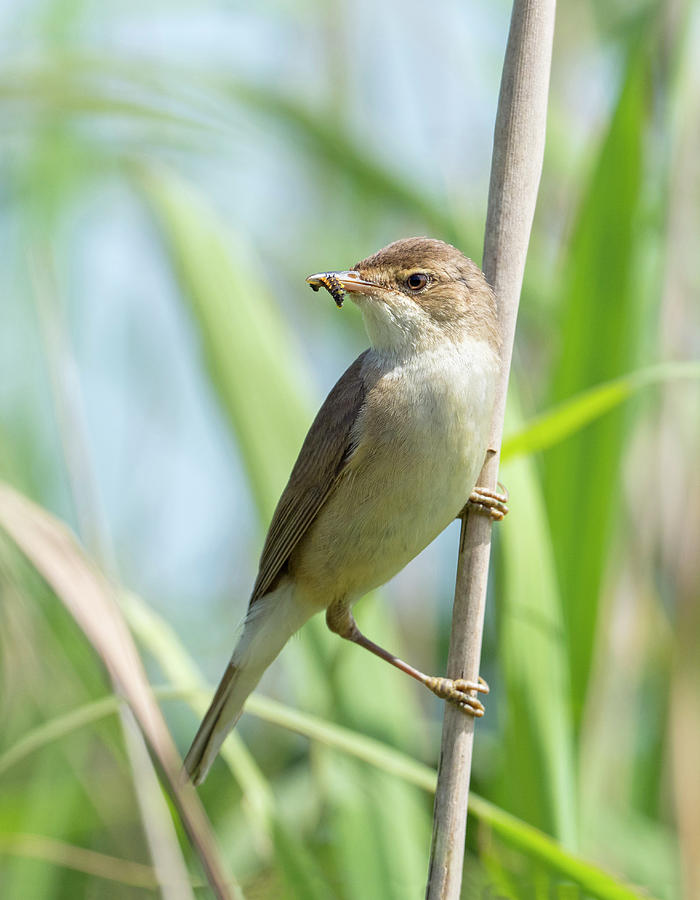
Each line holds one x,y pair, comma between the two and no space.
271,621
197,761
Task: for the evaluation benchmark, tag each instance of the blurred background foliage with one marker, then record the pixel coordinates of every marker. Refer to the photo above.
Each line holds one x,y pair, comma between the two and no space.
170,174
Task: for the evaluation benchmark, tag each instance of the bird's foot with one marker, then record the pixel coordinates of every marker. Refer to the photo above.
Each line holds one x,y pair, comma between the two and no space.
460,692
489,503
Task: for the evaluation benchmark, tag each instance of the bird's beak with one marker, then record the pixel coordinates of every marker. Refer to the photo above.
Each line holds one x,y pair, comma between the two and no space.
350,281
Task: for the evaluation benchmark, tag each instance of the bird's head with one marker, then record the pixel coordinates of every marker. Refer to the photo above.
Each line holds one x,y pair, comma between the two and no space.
417,293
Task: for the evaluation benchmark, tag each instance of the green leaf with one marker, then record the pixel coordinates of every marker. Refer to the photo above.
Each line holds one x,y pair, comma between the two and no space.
601,315
569,417
56,728
537,779
250,356
323,135
518,834
59,853
295,864
370,696
150,96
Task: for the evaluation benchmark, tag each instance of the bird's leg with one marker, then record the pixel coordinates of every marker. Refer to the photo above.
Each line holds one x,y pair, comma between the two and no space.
457,690
488,503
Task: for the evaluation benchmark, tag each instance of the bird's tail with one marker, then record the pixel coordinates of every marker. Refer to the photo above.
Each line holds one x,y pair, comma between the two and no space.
270,622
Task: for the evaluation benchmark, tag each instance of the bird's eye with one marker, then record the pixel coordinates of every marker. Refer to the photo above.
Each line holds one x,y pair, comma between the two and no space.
416,281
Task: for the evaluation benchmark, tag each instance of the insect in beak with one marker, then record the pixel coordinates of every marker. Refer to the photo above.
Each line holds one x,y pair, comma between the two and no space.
339,283
331,284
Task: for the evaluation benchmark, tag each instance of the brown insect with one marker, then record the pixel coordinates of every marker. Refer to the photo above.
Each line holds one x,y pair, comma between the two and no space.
333,286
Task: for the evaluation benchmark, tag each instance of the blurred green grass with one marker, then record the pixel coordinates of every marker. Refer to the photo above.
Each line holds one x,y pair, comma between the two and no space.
198,158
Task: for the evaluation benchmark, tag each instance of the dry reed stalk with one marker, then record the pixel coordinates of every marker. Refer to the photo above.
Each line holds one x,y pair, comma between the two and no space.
518,150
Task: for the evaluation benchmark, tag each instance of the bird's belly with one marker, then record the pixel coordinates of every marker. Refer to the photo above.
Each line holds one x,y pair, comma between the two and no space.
403,518
392,502
372,527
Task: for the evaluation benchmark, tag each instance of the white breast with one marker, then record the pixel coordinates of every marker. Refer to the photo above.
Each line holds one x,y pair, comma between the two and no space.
421,441
444,398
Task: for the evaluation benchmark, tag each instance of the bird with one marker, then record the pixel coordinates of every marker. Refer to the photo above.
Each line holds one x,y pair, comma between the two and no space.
390,460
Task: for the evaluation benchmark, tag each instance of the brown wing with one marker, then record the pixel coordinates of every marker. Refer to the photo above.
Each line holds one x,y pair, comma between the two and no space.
322,457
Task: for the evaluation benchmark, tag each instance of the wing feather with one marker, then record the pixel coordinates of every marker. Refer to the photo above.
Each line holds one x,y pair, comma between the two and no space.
323,456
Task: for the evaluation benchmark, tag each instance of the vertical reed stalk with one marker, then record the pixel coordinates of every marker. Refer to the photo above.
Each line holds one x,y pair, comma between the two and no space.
518,150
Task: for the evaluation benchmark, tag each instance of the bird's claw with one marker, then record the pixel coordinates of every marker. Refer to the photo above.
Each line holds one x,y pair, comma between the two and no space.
460,692
489,503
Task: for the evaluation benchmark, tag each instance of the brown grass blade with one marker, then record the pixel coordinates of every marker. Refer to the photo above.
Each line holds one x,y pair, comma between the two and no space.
89,598
81,859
